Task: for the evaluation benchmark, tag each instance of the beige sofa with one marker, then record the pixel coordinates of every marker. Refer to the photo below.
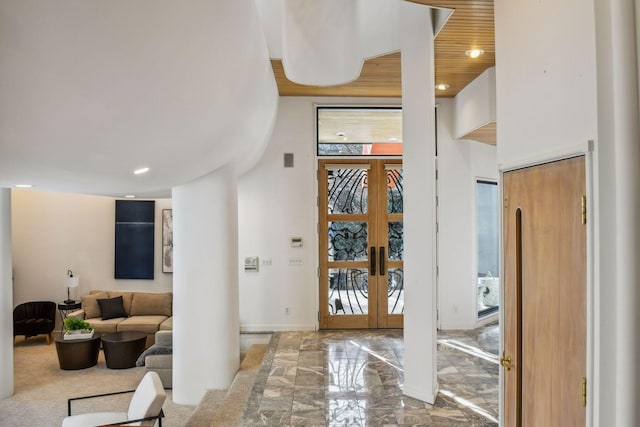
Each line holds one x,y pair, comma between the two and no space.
159,358
145,312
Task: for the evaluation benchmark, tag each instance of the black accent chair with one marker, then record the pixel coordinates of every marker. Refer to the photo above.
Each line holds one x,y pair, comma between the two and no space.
34,318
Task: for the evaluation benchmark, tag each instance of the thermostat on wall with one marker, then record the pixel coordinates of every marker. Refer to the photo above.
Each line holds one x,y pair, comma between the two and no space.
251,263
296,242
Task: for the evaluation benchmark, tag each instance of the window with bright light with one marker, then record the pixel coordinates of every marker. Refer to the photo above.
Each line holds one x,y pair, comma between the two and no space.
488,275
359,131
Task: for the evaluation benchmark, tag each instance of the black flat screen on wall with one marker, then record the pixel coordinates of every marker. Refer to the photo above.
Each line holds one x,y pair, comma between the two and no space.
134,239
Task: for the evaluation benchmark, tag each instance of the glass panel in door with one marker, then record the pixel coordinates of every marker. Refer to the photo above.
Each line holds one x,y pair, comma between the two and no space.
345,231
391,237
361,247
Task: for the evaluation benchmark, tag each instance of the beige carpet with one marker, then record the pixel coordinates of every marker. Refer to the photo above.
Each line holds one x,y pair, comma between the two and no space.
41,388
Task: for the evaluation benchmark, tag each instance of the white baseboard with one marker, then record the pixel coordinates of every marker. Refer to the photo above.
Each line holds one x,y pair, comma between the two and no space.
488,319
445,326
276,328
428,396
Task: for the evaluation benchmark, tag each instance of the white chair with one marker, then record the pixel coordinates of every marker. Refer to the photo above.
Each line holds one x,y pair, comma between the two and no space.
146,405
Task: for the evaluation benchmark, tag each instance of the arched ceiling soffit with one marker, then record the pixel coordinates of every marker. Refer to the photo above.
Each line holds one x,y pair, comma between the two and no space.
325,43
94,90
371,39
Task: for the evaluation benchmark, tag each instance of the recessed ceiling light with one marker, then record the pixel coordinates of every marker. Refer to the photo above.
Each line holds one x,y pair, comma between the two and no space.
442,86
340,134
141,171
130,196
473,53
24,186
392,139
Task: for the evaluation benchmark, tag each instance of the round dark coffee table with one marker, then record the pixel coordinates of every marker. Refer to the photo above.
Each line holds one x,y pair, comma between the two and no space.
121,349
77,354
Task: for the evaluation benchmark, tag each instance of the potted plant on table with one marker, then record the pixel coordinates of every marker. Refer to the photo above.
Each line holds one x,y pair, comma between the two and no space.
77,329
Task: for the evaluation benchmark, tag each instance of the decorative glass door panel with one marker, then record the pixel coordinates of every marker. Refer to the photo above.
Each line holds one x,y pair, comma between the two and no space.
361,244
391,234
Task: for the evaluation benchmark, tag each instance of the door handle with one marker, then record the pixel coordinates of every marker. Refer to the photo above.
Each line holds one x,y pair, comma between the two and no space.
505,362
372,261
383,271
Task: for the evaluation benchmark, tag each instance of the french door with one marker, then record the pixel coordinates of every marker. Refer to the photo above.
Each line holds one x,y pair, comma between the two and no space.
361,243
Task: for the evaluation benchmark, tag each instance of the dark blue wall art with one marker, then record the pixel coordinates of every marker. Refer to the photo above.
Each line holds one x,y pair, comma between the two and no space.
134,240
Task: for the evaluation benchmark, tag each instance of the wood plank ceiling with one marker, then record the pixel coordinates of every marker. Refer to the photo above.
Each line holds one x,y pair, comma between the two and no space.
469,27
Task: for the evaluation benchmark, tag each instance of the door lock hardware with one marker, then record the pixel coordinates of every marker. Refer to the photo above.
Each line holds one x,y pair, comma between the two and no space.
372,261
505,362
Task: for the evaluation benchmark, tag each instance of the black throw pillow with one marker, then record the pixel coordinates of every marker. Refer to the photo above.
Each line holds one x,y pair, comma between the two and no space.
112,308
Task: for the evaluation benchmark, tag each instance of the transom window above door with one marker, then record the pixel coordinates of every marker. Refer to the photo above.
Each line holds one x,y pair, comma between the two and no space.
354,131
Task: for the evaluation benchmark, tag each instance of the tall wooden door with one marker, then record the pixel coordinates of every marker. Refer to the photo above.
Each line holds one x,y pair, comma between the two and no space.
544,359
361,244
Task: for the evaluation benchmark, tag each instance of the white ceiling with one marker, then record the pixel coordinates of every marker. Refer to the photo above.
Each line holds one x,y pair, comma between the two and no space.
91,90
325,43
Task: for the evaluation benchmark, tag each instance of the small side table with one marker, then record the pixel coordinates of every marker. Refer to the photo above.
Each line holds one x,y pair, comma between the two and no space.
121,349
66,308
77,354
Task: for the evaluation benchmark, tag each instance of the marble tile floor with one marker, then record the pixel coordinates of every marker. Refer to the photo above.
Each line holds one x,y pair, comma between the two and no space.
355,378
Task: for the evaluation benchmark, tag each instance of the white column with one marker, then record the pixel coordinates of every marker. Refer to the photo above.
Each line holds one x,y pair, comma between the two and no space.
316,33
206,328
617,346
627,179
418,130
6,296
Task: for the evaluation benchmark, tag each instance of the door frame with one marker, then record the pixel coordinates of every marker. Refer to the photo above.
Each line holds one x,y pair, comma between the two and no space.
316,244
592,335
377,215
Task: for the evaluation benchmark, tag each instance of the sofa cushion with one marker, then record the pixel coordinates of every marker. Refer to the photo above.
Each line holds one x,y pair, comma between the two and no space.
90,304
154,350
167,325
147,324
164,338
160,361
105,326
126,299
144,304
112,308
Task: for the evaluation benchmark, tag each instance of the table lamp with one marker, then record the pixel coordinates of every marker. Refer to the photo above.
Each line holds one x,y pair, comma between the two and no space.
72,282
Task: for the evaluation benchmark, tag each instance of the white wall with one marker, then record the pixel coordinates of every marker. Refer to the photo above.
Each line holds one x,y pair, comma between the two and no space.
53,232
205,225
548,99
475,105
545,77
275,204
419,137
6,297
460,163
56,231
616,232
